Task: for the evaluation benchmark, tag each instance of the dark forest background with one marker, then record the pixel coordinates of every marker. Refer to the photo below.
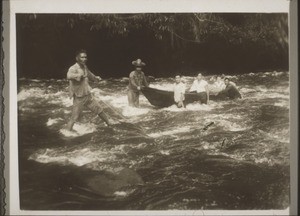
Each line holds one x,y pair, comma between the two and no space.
214,43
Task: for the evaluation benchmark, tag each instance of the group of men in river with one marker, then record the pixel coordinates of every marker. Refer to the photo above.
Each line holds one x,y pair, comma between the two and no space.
216,86
80,90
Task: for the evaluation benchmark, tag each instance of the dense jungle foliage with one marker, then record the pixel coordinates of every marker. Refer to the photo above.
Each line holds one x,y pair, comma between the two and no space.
169,43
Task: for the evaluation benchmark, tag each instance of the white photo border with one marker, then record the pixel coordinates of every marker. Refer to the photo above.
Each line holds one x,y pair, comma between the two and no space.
122,6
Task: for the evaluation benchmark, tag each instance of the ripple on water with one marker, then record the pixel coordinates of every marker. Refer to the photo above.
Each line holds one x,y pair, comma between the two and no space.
182,165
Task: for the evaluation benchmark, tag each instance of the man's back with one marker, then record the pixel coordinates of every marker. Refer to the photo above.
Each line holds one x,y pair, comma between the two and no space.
232,91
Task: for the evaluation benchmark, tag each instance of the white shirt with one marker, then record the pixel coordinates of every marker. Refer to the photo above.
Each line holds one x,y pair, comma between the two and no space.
220,85
179,90
199,86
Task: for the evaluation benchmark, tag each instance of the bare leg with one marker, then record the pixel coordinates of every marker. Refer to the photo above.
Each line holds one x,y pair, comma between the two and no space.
94,106
130,95
103,116
180,104
70,125
136,99
76,110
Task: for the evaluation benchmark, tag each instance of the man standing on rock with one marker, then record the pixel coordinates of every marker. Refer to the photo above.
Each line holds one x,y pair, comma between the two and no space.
137,80
79,88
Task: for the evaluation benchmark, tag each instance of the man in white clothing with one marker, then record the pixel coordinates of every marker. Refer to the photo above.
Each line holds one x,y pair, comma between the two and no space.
220,84
179,90
200,86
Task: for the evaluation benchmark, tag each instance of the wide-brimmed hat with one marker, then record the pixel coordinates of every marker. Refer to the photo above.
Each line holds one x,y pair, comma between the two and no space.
138,63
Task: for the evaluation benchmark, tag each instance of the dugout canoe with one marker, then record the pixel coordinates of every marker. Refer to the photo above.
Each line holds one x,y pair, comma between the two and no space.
162,98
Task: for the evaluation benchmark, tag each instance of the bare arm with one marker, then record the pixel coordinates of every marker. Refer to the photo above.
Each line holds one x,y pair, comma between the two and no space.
145,81
182,93
207,92
92,76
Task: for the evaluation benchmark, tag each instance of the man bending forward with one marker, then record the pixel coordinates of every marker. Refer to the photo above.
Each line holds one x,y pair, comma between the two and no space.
79,76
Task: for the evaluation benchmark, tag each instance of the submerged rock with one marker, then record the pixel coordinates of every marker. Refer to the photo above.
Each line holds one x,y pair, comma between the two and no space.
107,183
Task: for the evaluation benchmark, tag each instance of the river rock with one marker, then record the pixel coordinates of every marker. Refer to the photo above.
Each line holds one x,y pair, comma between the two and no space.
106,183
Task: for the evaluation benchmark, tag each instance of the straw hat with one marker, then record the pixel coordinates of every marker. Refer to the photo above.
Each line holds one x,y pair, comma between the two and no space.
138,63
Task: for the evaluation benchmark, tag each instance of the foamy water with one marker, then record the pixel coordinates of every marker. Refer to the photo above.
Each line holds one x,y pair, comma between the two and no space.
79,130
166,87
53,121
184,162
174,131
132,111
28,93
77,157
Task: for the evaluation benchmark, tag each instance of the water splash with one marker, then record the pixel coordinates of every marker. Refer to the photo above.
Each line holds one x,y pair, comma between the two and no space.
79,129
78,157
255,132
52,121
172,132
30,93
132,111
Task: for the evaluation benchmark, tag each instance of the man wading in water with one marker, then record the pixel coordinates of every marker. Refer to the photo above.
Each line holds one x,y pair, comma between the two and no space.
200,86
230,90
179,90
137,79
79,76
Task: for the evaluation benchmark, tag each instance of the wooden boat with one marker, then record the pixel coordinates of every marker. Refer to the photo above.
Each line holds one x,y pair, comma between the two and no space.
162,98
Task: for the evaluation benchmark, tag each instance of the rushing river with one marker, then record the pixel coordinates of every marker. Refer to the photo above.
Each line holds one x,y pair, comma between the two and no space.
224,155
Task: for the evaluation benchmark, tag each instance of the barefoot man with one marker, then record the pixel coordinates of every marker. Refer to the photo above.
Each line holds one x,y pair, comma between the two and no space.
79,76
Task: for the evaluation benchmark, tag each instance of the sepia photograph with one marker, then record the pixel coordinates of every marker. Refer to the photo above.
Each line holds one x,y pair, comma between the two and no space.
152,111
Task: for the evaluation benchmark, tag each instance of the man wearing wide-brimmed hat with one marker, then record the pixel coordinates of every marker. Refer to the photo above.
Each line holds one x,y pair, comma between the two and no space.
137,80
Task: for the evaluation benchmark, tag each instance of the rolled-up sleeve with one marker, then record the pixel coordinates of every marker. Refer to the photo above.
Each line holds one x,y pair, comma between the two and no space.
72,74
